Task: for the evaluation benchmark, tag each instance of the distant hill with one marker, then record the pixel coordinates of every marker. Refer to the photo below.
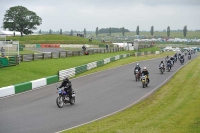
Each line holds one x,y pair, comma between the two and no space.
113,30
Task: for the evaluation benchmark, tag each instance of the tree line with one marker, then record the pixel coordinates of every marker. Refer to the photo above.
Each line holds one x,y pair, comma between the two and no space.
19,18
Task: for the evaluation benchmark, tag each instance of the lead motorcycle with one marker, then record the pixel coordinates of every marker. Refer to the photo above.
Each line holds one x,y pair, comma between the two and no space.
63,98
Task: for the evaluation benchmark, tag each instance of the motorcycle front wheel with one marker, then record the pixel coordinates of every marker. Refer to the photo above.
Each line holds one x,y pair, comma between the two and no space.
59,102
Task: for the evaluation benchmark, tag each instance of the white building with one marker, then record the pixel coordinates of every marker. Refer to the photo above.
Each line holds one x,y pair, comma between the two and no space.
10,33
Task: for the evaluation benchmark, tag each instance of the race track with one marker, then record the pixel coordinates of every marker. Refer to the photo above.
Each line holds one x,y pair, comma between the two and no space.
97,95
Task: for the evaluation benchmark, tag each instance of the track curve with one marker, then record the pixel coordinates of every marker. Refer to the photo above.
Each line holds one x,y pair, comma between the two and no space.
98,95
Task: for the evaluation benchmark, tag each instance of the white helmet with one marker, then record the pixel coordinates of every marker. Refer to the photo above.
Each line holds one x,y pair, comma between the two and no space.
145,68
137,64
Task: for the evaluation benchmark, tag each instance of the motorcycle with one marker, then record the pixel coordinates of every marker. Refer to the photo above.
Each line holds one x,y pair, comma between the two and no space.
162,69
168,66
181,61
63,98
137,75
189,57
175,59
144,81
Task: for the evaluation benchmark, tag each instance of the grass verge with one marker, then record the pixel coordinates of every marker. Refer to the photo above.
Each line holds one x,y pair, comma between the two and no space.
173,108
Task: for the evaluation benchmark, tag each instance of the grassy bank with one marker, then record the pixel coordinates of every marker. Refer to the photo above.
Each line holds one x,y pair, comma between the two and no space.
51,39
173,108
28,71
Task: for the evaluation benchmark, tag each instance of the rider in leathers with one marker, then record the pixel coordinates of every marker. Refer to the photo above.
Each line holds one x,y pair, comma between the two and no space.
168,61
162,65
67,86
145,72
137,68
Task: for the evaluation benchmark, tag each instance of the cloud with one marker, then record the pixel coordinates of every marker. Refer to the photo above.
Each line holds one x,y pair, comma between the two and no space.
89,14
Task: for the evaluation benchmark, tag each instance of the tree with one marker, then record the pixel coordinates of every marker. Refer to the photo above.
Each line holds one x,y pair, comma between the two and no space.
97,31
71,33
85,33
137,30
19,18
110,31
168,31
60,31
152,30
122,31
40,31
185,31
50,31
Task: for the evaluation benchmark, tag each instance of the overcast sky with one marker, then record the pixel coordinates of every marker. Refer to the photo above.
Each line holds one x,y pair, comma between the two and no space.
89,14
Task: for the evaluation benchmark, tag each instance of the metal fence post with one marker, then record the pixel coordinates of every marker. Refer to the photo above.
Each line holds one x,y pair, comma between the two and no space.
33,56
42,55
66,53
51,55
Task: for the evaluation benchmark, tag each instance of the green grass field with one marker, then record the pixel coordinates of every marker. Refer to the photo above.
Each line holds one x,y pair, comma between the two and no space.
52,39
174,108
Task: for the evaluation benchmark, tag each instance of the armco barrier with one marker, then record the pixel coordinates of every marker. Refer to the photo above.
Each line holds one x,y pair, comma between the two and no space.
100,63
67,72
8,90
80,69
91,65
23,87
107,60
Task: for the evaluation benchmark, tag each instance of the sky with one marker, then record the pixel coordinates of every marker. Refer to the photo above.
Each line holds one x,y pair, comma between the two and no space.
79,14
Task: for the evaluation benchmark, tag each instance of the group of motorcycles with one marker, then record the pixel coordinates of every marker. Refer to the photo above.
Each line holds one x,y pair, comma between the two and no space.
142,77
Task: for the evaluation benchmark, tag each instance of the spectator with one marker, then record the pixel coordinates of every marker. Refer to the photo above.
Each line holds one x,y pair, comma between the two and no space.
84,48
2,52
106,46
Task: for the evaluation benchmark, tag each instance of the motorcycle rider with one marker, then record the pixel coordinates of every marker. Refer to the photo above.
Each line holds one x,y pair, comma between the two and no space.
172,59
67,86
145,72
182,57
170,64
137,68
162,65
166,59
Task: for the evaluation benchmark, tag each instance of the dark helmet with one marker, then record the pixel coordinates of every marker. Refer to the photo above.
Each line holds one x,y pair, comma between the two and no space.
66,79
161,61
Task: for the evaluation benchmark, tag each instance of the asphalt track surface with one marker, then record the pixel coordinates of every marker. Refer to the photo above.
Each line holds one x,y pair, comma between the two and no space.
97,95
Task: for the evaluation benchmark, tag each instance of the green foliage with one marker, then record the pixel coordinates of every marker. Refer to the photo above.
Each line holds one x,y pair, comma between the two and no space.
184,31
168,31
85,33
137,30
113,30
19,18
97,31
71,33
110,30
123,31
152,30
40,31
